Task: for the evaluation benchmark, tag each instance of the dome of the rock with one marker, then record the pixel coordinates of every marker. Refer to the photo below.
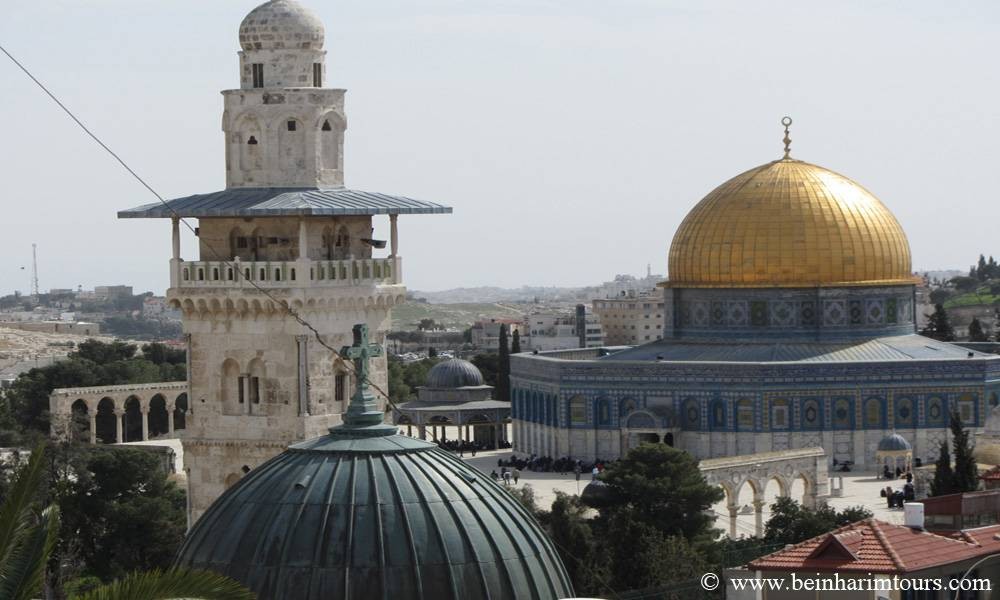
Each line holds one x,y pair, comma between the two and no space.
789,224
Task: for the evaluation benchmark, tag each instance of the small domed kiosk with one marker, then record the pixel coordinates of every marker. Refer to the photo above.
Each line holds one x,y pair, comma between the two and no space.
364,513
456,396
895,452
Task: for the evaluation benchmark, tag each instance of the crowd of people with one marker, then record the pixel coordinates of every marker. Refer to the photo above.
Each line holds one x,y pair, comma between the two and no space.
463,447
896,498
547,464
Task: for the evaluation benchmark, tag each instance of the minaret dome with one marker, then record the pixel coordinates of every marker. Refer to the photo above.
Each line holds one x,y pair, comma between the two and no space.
282,44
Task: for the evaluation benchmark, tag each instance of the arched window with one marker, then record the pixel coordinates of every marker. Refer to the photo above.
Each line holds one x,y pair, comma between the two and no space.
329,141
718,414
779,414
577,410
603,412
238,244
232,388
843,414
744,419
935,411
967,408
691,419
256,382
342,244
873,413
904,412
812,414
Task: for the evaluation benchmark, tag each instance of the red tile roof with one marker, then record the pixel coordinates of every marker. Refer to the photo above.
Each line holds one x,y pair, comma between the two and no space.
873,546
991,475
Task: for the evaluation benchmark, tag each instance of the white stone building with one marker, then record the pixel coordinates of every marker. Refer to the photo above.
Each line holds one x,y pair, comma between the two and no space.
284,244
631,318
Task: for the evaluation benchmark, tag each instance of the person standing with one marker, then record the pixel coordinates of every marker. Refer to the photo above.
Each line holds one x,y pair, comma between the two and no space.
517,475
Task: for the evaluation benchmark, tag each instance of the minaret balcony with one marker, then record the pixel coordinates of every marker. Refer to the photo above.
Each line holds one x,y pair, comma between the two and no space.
287,274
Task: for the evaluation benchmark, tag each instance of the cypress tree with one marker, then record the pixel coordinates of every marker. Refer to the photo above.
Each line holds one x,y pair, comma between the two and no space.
944,477
515,345
503,367
981,270
939,326
976,333
966,474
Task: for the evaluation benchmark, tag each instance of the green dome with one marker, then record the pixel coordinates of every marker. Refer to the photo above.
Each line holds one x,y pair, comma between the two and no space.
359,515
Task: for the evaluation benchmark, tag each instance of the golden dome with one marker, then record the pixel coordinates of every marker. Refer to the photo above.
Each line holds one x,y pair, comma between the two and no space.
789,224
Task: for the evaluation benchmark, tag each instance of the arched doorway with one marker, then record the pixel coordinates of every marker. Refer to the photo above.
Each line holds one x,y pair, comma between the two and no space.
180,412
668,439
132,427
80,422
106,425
158,416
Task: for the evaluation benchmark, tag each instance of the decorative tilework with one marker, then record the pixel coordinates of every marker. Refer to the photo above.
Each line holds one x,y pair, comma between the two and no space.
758,313
807,313
738,313
874,312
855,312
782,314
834,313
699,314
718,313
891,315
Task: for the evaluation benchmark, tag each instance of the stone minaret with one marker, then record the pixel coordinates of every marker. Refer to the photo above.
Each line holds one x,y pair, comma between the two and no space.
283,129
284,233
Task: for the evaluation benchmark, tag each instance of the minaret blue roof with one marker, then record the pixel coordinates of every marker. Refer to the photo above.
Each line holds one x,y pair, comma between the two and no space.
277,202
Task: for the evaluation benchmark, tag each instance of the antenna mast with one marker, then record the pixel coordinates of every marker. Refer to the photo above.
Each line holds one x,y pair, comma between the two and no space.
34,271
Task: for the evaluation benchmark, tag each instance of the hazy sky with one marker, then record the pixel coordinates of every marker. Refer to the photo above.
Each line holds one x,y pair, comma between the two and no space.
571,137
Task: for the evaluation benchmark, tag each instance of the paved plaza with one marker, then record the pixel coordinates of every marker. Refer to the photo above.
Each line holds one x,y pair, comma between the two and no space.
859,489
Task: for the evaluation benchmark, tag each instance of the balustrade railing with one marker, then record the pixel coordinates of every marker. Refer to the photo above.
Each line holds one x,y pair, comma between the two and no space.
284,274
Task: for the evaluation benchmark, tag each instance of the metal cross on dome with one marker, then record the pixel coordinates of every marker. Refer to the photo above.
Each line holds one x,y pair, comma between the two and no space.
362,410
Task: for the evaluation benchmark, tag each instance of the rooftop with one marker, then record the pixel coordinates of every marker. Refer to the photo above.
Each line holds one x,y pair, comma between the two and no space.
873,546
278,202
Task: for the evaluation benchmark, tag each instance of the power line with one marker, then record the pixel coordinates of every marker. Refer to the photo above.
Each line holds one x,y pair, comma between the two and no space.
282,303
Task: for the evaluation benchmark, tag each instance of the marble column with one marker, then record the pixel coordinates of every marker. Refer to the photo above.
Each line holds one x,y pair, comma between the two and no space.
145,424
93,428
393,236
119,415
758,518
170,419
734,512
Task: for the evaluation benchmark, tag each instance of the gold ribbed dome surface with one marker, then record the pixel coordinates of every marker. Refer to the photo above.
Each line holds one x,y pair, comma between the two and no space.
789,224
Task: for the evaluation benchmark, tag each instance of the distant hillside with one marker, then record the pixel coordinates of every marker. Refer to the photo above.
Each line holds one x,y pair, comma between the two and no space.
495,294
452,316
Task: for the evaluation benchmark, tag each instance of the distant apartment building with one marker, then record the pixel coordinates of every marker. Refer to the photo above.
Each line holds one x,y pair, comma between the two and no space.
633,317
62,292
112,292
486,332
157,308
561,331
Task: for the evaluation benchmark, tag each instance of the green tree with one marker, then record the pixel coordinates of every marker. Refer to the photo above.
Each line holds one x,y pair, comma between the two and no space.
515,345
489,366
28,535
791,523
571,532
944,477
503,367
643,556
980,269
120,512
939,326
976,333
966,474
664,485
